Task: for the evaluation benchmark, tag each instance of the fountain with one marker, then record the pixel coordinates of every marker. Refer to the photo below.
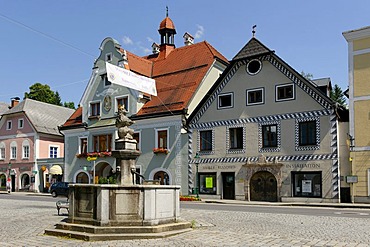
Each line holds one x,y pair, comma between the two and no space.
124,210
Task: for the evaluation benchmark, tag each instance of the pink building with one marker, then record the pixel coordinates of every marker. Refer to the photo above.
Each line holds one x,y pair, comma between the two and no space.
31,146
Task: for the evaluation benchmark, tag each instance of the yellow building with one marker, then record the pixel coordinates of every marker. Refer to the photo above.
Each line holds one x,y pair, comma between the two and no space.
359,103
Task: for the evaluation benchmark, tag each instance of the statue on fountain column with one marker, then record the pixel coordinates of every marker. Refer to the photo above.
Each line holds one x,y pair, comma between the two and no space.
123,123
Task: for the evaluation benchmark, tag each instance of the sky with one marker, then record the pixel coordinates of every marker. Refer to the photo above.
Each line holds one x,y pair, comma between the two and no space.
56,42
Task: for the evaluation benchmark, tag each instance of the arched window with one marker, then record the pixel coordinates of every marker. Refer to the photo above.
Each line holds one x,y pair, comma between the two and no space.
2,180
13,150
82,178
2,150
25,149
162,177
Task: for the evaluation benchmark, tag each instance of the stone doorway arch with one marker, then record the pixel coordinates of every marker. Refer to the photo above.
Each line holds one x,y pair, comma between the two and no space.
262,173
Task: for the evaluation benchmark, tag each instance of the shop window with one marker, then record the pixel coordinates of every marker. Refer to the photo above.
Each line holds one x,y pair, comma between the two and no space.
255,96
284,92
207,183
225,101
307,184
236,138
206,140
103,143
2,180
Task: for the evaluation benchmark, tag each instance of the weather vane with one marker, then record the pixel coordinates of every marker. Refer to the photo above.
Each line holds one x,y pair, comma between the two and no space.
254,30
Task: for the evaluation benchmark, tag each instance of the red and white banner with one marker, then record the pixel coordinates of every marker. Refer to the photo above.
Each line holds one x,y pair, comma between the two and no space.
124,77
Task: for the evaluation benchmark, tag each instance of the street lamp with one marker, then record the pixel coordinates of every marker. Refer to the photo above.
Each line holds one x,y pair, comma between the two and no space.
196,174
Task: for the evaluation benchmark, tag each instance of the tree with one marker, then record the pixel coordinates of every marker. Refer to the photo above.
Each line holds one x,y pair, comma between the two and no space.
69,105
308,76
337,95
43,93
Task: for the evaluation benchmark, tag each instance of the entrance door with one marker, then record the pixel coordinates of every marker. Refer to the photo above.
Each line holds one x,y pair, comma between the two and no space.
228,185
263,187
13,183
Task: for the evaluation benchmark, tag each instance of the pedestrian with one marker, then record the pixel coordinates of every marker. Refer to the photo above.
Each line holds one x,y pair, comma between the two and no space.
8,185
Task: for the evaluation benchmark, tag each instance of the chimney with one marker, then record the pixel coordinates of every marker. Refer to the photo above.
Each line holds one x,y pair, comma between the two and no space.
188,39
14,102
155,48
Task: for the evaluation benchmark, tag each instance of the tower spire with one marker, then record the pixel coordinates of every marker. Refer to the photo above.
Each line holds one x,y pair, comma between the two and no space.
166,11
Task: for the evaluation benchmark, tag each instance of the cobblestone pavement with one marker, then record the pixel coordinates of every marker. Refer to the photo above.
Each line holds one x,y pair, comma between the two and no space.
23,224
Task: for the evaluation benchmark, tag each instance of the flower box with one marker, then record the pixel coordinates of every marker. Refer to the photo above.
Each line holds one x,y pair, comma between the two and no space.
161,150
94,154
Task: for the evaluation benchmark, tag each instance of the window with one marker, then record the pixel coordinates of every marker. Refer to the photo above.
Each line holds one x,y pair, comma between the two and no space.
95,109
13,152
255,96
108,57
122,101
83,145
105,80
307,133
284,92
236,138
9,125
136,137
103,143
269,136
306,184
53,152
26,152
225,101
207,183
20,123
2,153
254,67
162,140
206,140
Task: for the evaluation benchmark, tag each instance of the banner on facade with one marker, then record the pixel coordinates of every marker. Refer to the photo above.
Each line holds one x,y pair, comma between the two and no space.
124,77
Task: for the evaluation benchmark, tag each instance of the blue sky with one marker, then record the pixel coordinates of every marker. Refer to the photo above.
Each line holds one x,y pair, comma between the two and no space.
56,42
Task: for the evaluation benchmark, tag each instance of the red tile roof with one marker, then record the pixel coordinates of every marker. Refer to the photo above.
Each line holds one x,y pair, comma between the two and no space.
167,23
75,119
179,75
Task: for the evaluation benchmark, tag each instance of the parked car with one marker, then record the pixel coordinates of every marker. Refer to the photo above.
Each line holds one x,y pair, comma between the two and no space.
59,189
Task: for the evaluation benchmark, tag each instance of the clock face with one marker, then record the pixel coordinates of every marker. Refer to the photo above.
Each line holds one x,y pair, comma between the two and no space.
107,102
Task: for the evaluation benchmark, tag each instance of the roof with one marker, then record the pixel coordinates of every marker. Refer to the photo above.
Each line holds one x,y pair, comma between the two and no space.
43,116
253,48
166,23
179,75
3,107
322,82
75,120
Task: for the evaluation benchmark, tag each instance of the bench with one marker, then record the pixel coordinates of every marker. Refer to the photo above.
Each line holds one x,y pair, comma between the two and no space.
62,204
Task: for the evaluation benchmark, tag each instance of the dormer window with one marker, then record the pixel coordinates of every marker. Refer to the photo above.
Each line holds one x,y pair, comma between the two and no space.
105,80
108,57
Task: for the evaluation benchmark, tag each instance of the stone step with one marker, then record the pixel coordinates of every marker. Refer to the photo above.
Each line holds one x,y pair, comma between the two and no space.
122,229
112,236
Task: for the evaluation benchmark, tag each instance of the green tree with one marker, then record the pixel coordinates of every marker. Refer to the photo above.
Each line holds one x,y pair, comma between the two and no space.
43,93
308,76
337,95
69,105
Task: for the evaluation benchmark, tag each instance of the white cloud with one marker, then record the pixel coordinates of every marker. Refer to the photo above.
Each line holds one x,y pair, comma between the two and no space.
150,40
145,50
127,41
199,32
